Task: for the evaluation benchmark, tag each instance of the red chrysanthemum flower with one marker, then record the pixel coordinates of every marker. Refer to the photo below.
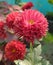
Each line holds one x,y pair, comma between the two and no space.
18,25
10,19
27,6
2,31
15,50
33,25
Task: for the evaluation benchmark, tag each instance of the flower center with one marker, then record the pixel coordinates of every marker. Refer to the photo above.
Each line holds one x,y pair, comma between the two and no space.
31,22
13,50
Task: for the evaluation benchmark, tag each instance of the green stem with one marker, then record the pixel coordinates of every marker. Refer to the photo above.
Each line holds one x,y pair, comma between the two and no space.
31,51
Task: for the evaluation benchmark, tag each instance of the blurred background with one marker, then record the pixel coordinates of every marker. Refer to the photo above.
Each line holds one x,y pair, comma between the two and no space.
43,6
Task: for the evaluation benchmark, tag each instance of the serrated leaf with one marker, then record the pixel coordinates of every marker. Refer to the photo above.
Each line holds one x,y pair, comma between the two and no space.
36,42
34,56
38,50
22,62
2,43
37,54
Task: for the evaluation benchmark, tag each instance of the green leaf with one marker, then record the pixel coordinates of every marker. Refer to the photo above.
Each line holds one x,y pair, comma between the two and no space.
50,1
38,50
22,62
34,57
36,42
37,54
49,37
2,43
43,62
34,54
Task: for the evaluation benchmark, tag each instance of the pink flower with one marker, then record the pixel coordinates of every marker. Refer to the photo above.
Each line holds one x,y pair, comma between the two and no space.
2,30
32,25
28,5
10,19
15,50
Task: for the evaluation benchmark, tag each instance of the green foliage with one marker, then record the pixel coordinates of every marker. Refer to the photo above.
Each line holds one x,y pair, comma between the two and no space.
22,62
49,14
17,1
21,3
33,57
50,1
48,38
2,43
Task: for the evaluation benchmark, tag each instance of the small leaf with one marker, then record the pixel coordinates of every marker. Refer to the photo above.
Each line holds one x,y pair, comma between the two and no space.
2,43
38,50
34,55
22,62
36,42
37,53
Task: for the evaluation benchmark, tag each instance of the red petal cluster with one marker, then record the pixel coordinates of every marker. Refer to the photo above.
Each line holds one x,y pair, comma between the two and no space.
18,25
2,30
15,50
10,19
33,25
27,6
